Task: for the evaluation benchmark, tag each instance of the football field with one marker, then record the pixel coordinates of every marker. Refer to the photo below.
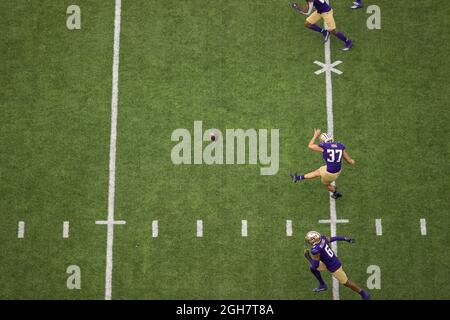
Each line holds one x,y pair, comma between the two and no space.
80,191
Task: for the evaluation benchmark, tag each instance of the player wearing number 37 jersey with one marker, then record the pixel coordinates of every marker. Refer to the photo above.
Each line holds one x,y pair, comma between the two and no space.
322,258
333,153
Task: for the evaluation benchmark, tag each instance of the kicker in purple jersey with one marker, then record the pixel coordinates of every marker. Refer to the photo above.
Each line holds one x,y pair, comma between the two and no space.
321,6
333,153
327,255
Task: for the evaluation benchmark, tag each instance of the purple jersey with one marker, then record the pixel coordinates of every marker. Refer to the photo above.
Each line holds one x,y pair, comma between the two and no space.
327,255
321,6
332,154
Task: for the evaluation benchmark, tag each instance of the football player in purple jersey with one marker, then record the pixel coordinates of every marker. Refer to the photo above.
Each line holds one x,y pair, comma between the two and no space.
333,153
325,12
322,257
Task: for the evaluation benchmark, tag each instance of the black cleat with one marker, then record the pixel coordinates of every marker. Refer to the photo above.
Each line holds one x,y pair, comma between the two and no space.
336,195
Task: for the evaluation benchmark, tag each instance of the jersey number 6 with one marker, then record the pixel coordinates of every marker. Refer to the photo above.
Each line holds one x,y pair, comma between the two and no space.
329,251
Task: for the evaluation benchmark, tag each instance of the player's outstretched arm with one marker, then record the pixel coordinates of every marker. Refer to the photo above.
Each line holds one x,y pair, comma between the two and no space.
296,7
312,144
348,158
306,10
339,238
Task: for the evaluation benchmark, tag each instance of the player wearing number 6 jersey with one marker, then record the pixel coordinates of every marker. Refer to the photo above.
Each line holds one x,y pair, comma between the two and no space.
333,153
322,258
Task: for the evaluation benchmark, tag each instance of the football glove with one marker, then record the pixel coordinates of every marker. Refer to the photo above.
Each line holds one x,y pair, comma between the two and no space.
349,240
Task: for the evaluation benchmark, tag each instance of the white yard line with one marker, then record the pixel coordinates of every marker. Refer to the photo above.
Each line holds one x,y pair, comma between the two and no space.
199,228
155,228
423,227
378,227
244,232
114,111
21,229
329,90
333,224
330,130
66,229
289,228
112,155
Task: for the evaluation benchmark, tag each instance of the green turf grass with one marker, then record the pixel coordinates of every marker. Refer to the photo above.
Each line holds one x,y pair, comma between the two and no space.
55,102
231,64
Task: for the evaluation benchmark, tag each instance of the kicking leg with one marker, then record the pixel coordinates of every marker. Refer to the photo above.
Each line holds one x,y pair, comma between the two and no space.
343,279
311,175
364,295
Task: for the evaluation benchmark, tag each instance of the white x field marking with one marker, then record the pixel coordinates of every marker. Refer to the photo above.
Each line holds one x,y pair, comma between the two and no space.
328,67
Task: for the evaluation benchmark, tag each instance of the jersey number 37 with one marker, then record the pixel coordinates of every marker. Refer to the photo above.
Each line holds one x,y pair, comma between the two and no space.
332,155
